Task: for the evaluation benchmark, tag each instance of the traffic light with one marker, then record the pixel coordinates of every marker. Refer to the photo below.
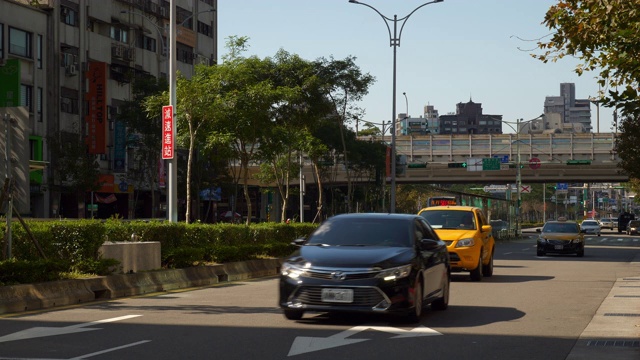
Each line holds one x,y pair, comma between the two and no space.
458,165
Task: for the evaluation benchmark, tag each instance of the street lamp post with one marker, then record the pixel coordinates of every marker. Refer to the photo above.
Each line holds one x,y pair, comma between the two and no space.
394,40
518,167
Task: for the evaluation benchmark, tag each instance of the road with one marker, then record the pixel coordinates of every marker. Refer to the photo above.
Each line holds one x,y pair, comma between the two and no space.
532,308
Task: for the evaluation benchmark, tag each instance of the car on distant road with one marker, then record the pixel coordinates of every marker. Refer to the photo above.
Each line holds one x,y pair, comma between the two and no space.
468,236
607,223
560,237
591,227
374,263
633,227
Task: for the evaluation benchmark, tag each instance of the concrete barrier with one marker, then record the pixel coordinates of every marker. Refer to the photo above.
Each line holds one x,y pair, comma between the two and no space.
28,297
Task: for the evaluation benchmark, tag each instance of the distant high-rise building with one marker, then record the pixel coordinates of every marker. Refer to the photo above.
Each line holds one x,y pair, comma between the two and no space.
565,113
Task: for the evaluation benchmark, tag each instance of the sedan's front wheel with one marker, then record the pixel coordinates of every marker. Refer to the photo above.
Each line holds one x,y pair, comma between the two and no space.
414,315
293,314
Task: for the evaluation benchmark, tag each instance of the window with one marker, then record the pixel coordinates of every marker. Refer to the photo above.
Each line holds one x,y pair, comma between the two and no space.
68,15
39,105
205,29
1,41
26,96
20,42
147,43
68,105
39,51
119,34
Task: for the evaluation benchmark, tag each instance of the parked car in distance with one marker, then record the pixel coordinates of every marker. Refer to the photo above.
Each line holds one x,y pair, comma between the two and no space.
633,227
468,236
591,227
375,263
560,237
607,223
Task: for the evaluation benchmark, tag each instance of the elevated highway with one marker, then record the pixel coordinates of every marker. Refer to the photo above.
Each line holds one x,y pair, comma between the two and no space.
543,158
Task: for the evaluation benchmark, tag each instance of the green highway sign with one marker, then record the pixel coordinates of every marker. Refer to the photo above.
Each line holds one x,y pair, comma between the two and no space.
578,162
491,164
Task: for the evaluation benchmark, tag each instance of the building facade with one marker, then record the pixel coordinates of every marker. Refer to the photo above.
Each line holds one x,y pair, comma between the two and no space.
77,60
469,119
565,113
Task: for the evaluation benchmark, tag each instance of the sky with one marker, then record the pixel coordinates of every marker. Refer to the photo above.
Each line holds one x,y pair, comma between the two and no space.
450,52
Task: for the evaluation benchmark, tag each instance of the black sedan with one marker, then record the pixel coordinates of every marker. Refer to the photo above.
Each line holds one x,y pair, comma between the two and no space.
376,263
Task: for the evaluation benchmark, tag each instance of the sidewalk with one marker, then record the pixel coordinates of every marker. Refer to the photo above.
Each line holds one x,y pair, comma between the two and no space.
614,331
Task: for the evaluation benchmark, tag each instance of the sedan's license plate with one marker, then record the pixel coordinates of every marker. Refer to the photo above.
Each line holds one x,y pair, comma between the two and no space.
559,247
337,295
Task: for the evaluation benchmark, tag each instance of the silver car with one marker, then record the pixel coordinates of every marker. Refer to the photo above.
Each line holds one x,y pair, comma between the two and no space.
607,223
590,227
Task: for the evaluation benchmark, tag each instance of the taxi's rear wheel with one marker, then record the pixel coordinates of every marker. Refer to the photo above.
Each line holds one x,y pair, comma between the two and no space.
476,274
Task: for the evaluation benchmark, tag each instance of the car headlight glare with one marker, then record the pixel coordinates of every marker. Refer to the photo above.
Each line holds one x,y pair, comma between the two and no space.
465,243
395,273
292,271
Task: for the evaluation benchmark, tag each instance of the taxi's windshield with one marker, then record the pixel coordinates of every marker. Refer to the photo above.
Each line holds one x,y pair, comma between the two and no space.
560,228
450,219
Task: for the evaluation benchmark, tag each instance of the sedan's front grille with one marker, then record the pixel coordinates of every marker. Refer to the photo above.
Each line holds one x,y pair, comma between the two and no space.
362,296
559,242
330,275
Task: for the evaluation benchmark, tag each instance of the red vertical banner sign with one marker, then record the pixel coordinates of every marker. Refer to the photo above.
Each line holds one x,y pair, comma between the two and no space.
96,119
167,132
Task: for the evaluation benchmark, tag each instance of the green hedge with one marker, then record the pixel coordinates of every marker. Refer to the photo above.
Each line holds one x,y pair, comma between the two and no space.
72,245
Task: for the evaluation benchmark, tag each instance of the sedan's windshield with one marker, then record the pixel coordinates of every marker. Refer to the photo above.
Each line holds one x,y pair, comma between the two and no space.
363,232
569,228
589,223
450,219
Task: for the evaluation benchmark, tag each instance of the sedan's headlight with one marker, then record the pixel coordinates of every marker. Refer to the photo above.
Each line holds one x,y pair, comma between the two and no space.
576,240
395,273
465,243
292,271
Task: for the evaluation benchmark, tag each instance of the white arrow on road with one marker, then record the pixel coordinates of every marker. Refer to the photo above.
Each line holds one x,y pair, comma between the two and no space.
51,331
304,344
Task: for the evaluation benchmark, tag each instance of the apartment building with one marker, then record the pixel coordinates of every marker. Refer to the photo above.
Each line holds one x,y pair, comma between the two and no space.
66,67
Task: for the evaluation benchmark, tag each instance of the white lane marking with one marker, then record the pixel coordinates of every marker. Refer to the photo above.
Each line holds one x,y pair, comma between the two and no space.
52,331
86,356
304,344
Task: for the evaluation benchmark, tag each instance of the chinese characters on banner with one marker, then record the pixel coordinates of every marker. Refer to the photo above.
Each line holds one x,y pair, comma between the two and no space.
167,132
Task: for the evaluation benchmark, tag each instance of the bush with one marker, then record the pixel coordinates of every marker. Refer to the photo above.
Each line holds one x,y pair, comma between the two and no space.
72,245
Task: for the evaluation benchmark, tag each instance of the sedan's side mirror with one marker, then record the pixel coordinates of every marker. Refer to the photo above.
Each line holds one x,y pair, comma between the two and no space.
430,244
299,242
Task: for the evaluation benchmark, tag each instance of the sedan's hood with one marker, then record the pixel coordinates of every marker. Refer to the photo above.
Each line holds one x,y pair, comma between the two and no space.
558,236
454,234
353,256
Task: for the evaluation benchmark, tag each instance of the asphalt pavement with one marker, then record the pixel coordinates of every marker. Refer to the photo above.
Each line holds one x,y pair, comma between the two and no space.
614,330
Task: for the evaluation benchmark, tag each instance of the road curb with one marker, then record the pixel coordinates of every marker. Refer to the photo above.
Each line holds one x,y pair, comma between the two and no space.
28,297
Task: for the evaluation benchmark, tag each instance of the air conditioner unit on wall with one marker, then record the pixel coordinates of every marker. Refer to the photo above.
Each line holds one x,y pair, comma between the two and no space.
71,70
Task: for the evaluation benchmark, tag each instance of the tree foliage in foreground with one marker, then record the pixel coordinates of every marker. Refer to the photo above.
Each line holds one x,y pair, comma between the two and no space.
605,36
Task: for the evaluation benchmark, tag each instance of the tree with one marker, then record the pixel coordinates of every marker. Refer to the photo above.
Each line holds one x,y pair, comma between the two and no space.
75,168
604,36
145,135
345,84
195,112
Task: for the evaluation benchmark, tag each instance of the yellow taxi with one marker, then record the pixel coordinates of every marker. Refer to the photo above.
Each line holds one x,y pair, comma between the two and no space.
468,236
561,237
